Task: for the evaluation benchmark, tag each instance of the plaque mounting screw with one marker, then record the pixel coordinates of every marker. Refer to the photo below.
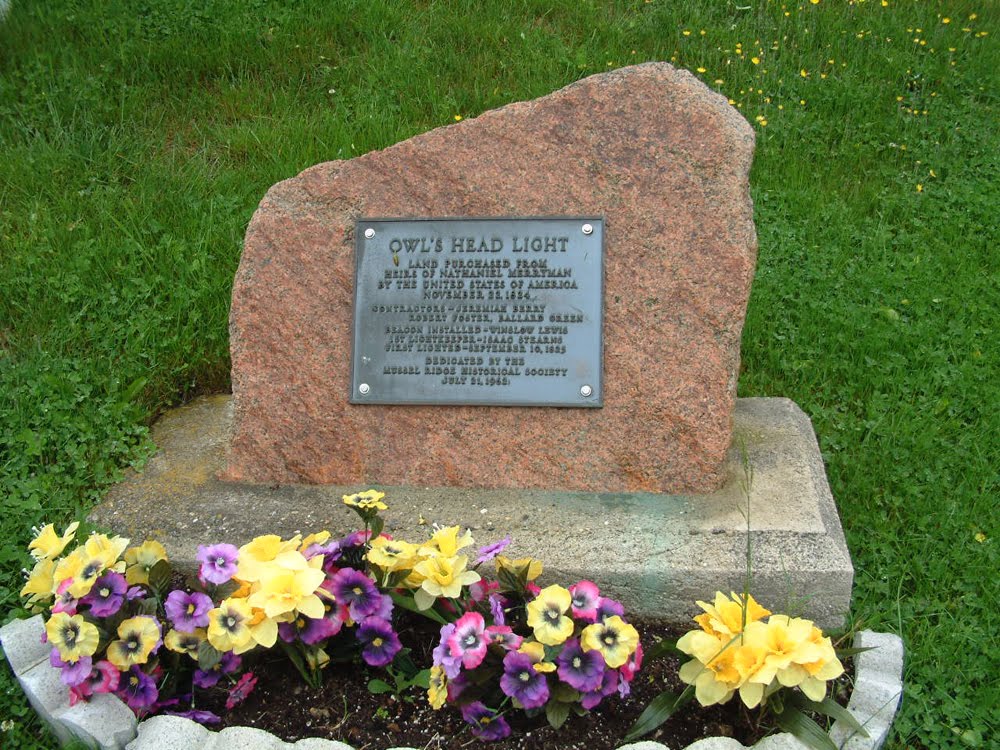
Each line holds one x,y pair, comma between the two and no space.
586,391
588,229
369,233
364,389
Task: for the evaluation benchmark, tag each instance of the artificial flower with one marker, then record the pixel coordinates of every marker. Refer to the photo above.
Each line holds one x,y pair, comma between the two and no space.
72,673
48,544
547,615
185,642
380,642
218,562
106,595
255,554
289,586
241,690
490,551
138,638
443,577
392,554
367,500
609,685
356,591
536,652
486,723
522,682
469,639
614,638
580,669
446,542
72,636
585,599
137,689
140,560
437,687
41,583
228,624
725,616
188,611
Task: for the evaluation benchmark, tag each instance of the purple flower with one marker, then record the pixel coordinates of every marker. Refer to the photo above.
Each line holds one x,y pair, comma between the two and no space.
188,611
228,664
135,592
582,670
106,595
585,599
202,717
64,601
609,684
504,637
486,723
469,640
309,630
490,551
630,667
609,608
73,672
452,665
522,683
137,689
381,644
496,609
357,592
355,539
328,549
218,562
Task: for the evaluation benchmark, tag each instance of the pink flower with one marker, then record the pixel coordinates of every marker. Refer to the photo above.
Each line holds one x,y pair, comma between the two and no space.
469,640
241,690
586,598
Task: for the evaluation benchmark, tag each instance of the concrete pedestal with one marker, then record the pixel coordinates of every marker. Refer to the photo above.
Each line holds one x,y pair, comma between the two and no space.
656,553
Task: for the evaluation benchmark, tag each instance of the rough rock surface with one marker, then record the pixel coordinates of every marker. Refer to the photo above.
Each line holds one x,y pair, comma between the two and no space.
660,156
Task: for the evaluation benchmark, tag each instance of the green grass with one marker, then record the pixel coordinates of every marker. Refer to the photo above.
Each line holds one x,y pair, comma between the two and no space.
136,139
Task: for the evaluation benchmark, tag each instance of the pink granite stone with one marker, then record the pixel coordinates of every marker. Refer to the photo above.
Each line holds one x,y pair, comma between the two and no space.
664,159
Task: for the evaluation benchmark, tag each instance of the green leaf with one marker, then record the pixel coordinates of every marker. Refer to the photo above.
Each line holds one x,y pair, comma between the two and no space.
147,606
421,679
564,693
208,656
556,713
805,729
664,648
377,525
853,651
423,600
159,576
661,708
377,687
828,707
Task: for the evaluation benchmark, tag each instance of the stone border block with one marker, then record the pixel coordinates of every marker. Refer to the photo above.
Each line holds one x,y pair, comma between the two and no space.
22,643
107,723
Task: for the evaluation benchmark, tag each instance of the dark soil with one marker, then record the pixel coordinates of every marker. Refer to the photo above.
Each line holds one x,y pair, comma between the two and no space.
343,709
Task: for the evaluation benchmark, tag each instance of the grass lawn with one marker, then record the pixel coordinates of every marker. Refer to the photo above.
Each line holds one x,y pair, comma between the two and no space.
136,139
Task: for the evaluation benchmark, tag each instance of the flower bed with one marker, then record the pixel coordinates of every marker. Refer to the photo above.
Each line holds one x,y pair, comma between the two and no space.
503,647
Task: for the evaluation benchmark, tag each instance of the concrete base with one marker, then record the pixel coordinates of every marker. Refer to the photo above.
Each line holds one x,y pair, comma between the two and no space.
656,553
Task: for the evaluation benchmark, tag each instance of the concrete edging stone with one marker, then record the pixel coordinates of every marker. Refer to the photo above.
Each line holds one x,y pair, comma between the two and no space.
107,723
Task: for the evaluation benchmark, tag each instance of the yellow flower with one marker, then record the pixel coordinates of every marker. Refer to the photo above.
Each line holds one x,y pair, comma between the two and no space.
108,549
446,542
536,652
263,630
288,586
185,643
392,554
48,544
319,538
525,565
41,583
437,691
80,569
228,625
614,638
443,577
137,637
140,560
72,636
255,554
547,616
367,500
725,617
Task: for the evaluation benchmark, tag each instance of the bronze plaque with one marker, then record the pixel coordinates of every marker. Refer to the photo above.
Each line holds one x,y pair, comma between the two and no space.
499,312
